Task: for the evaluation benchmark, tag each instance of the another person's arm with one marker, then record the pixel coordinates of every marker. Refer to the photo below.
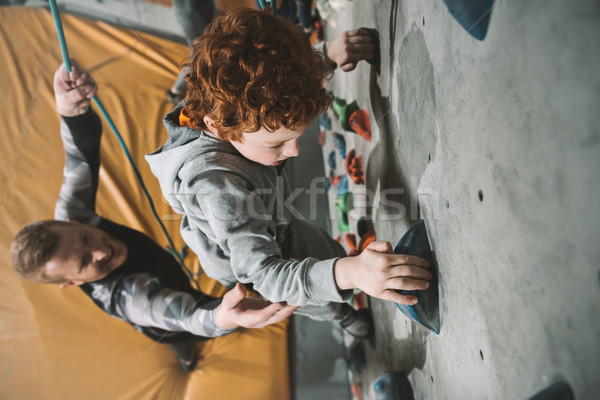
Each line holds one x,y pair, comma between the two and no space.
80,131
349,48
143,301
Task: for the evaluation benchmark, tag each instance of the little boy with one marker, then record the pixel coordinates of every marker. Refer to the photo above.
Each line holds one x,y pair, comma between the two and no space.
255,84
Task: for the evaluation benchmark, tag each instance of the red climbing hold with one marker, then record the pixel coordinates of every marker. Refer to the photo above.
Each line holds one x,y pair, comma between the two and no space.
360,301
365,240
360,123
322,138
351,243
335,179
354,167
357,391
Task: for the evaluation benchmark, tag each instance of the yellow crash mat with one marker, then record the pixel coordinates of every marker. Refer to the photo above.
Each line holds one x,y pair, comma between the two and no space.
55,344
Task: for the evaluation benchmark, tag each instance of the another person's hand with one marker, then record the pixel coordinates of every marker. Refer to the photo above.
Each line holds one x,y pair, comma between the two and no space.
349,48
249,312
73,91
381,273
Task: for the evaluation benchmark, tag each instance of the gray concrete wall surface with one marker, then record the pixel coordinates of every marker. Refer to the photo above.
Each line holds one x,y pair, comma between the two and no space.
495,143
318,369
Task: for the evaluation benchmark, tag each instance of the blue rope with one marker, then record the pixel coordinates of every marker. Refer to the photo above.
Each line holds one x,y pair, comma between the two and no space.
291,4
67,60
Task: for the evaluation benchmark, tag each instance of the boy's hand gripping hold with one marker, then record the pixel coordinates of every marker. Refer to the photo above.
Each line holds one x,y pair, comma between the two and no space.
381,273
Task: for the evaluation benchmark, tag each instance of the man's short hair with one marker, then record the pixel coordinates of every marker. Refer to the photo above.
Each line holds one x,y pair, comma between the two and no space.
251,70
33,246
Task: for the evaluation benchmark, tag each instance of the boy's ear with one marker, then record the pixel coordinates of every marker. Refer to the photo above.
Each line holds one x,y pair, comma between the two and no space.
210,124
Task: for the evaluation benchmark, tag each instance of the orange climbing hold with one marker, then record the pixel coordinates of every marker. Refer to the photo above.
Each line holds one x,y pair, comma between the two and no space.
361,124
360,300
357,391
366,240
351,243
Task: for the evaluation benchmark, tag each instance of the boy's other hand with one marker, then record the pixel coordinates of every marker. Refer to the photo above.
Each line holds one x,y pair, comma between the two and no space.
349,48
73,91
249,312
381,273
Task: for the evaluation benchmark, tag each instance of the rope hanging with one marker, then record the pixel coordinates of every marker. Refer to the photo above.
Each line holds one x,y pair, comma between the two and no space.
67,60
288,8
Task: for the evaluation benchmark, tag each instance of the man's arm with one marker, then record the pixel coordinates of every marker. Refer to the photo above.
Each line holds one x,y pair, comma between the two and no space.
348,49
143,301
80,131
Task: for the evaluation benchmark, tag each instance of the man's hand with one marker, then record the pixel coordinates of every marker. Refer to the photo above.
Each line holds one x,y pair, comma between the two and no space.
380,273
73,91
249,312
349,48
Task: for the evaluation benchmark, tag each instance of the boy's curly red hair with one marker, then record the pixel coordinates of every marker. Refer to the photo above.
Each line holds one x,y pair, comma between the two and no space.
250,70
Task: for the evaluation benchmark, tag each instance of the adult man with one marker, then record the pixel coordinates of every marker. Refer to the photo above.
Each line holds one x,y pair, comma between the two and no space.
125,273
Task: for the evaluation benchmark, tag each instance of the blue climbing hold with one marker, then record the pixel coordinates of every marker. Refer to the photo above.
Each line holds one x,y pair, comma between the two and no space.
393,385
473,15
325,121
327,184
340,144
331,160
557,391
342,186
426,311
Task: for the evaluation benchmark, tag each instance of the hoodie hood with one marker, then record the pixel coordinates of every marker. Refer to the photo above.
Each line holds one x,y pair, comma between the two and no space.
184,147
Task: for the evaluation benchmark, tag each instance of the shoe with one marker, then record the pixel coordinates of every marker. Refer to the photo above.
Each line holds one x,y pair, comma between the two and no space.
174,98
358,323
189,365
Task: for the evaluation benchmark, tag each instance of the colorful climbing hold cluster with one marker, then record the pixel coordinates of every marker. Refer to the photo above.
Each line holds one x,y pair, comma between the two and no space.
352,118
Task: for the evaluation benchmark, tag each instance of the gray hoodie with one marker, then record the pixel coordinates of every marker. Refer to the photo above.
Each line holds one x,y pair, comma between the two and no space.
234,217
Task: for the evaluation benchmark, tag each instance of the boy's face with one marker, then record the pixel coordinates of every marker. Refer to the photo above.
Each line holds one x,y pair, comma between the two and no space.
84,254
269,148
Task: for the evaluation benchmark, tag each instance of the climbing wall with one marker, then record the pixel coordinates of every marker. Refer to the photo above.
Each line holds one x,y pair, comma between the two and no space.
495,144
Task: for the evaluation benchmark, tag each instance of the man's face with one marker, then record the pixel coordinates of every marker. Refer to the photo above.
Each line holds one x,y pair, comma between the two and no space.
269,148
84,254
